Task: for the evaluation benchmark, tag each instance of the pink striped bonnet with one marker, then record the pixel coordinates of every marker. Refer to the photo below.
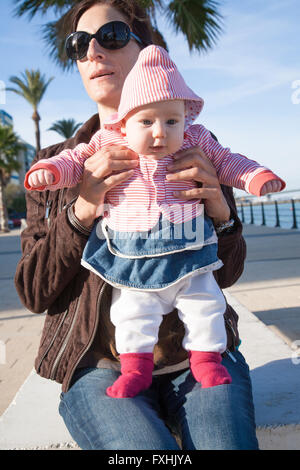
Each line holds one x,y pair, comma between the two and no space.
155,77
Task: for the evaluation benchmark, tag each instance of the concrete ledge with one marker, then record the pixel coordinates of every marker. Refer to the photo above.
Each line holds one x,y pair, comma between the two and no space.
32,420
279,437
275,375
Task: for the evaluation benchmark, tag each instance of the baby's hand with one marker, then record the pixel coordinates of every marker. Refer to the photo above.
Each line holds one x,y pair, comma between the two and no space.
40,178
272,186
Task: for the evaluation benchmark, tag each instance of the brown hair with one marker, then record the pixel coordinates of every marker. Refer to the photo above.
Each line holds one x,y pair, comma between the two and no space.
136,16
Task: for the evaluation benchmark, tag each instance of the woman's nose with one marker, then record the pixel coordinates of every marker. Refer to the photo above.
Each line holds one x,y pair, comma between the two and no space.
95,50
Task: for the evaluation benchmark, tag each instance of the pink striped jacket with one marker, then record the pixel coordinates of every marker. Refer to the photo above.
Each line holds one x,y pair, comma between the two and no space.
136,204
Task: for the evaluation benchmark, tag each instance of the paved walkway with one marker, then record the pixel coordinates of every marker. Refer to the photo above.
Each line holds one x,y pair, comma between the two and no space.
270,284
20,330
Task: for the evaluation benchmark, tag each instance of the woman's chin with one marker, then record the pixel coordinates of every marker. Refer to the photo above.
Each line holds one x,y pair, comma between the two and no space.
107,94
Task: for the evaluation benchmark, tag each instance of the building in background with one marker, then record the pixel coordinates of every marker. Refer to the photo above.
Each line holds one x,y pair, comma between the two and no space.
5,118
25,157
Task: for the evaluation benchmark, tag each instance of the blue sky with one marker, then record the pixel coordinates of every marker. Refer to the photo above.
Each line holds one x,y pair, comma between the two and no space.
246,80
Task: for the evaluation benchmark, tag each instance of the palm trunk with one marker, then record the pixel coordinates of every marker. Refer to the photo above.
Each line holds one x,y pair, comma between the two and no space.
36,118
3,210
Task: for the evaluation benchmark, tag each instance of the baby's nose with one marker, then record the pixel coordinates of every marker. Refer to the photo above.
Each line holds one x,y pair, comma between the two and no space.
159,130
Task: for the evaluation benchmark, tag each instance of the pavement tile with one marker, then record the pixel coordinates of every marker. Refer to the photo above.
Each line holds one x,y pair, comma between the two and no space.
270,284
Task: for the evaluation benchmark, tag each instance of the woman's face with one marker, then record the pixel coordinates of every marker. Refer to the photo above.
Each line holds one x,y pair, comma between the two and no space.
103,71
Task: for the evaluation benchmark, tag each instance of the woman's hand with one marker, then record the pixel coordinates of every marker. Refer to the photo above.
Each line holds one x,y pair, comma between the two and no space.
105,169
193,164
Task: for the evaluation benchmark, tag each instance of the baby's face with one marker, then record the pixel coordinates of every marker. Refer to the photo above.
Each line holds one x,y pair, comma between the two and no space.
156,129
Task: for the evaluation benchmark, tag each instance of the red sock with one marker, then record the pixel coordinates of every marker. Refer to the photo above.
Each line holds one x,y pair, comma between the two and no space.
136,370
206,368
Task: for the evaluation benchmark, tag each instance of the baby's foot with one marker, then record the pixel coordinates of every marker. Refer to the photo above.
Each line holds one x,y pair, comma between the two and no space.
213,374
136,370
128,385
207,370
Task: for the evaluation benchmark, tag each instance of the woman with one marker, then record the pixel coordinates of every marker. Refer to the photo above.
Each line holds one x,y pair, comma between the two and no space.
77,346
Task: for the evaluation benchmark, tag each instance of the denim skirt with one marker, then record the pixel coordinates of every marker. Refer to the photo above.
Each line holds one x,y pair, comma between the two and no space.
154,259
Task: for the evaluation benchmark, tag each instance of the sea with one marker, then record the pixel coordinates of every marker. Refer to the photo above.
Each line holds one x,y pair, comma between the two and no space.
264,209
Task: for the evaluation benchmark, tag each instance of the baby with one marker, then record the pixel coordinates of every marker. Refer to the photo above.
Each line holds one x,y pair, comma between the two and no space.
151,268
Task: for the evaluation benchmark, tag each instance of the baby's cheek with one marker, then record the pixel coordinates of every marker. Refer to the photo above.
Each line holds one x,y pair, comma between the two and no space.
175,143
137,143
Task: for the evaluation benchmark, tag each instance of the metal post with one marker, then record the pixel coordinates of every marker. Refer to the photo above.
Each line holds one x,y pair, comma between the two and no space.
294,214
277,214
242,213
251,214
263,214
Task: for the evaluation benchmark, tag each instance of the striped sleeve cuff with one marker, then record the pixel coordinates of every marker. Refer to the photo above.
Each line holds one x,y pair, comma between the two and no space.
259,180
42,166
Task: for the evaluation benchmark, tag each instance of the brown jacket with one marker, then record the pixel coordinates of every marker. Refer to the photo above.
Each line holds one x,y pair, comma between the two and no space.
50,277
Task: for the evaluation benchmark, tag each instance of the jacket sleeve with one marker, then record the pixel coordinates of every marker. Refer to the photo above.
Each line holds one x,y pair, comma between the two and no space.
234,169
67,166
231,247
50,255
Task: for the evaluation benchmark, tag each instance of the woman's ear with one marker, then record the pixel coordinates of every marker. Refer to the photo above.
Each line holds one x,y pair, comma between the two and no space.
123,127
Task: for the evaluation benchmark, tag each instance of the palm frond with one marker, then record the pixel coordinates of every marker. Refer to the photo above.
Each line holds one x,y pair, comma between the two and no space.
32,7
32,86
151,6
54,35
65,127
198,20
10,146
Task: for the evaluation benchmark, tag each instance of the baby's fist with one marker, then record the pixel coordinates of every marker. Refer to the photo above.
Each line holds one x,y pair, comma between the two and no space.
40,178
272,186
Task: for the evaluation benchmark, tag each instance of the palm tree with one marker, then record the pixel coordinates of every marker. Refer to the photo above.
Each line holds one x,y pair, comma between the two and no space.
10,146
32,86
198,20
65,127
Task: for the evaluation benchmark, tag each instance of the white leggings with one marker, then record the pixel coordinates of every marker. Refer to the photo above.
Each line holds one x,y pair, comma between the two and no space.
200,302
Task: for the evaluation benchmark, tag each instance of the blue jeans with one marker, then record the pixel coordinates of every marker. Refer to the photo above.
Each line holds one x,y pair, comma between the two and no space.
220,417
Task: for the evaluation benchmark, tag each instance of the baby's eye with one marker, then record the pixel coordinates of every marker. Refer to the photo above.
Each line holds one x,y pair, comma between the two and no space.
171,122
146,122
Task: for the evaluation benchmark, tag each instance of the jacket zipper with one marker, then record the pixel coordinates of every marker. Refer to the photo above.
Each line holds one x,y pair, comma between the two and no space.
228,322
53,339
59,205
47,211
60,200
54,367
93,335
64,345
47,214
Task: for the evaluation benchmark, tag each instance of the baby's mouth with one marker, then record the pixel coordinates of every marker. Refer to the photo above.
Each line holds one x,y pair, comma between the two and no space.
157,148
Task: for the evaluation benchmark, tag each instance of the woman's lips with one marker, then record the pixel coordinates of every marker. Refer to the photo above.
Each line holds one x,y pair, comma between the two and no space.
101,75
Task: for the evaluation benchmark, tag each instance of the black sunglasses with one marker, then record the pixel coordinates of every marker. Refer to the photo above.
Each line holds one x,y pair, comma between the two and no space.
113,35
